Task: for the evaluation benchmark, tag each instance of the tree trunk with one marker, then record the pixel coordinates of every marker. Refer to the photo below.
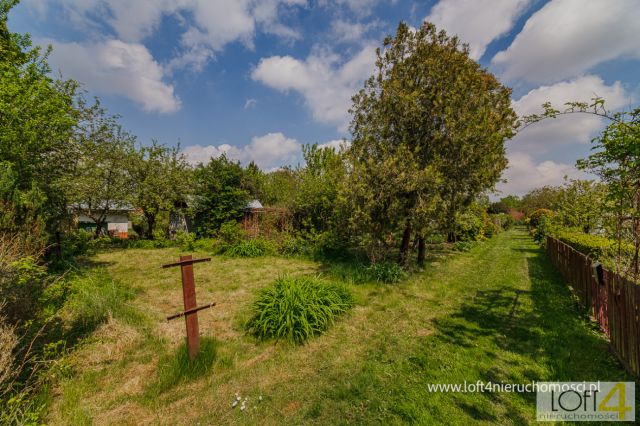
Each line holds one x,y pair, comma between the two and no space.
151,222
58,245
635,263
404,245
98,228
422,249
636,236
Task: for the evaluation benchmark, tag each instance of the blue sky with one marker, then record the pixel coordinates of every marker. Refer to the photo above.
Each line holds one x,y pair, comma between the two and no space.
258,78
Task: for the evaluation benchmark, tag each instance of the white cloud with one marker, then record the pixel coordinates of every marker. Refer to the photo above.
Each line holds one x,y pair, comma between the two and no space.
326,84
568,37
524,174
336,144
265,13
210,24
358,7
578,128
477,22
268,151
116,67
350,32
557,135
135,20
250,103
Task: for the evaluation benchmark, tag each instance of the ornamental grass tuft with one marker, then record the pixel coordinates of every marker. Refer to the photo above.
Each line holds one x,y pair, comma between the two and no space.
296,309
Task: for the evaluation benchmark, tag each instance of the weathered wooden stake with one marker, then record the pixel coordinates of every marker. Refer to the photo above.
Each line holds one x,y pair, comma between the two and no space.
191,308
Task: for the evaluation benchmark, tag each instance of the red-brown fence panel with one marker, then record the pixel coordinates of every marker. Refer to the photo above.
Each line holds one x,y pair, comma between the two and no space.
613,301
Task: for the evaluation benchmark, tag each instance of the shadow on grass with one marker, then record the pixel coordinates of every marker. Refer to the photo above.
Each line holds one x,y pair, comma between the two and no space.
512,333
520,329
175,368
516,336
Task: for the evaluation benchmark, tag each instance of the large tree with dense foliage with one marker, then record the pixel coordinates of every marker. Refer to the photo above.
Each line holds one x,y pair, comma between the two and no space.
439,120
161,177
37,118
219,194
102,177
315,203
279,187
546,197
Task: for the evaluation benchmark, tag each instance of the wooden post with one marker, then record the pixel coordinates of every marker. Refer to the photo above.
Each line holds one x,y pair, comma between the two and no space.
191,308
189,295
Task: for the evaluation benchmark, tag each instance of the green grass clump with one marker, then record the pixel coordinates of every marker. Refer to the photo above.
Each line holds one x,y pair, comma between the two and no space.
93,297
386,272
356,273
175,368
249,248
296,309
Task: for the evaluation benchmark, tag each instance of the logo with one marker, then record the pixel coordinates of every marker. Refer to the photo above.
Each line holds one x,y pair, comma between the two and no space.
586,401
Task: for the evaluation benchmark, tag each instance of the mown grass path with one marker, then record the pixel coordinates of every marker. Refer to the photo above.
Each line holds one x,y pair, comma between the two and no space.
499,313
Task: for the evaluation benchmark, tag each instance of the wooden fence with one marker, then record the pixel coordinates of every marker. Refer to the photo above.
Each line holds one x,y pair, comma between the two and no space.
613,301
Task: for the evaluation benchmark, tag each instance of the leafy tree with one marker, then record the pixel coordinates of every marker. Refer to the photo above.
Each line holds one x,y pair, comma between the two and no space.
617,162
383,194
534,218
37,117
319,182
546,197
219,194
511,201
102,177
437,117
253,180
161,177
581,205
280,187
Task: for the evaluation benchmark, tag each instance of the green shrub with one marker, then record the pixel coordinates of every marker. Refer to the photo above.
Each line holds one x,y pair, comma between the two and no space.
534,218
231,233
210,245
543,229
594,246
462,246
296,246
434,239
22,281
506,220
186,240
296,309
76,243
249,248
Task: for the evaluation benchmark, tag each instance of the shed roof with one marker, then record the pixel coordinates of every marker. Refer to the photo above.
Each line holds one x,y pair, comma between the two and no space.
254,204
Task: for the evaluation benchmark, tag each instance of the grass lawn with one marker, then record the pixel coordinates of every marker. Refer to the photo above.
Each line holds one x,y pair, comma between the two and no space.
498,313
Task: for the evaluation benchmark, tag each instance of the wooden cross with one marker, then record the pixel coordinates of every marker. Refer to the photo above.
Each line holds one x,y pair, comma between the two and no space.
191,308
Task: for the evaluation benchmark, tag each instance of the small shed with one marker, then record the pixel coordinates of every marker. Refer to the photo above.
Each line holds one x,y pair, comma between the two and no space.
179,218
260,220
116,221
251,219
